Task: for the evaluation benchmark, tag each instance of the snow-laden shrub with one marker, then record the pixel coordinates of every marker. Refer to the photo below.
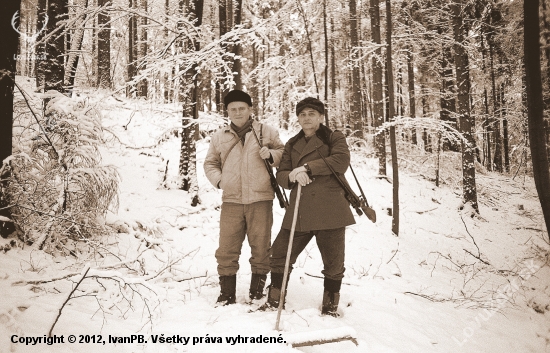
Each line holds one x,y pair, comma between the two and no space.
57,186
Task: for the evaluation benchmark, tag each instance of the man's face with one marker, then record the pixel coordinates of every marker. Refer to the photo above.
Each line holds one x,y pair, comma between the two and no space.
310,119
238,112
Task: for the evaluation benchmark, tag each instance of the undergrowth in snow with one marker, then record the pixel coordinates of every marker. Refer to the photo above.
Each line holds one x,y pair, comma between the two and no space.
450,282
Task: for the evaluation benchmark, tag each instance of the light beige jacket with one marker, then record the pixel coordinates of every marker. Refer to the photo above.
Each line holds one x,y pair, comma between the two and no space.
238,169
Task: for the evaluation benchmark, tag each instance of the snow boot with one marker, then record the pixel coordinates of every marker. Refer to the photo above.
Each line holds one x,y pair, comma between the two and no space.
257,283
273,293
228,285
331,297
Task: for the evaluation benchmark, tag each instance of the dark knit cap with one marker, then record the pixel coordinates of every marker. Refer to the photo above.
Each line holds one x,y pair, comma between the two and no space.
312,103
237,96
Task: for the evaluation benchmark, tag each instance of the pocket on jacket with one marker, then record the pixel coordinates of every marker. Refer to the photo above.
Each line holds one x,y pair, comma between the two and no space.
230,184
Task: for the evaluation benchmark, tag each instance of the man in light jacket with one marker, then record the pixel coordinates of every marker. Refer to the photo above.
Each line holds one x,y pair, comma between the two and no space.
235,164
323,211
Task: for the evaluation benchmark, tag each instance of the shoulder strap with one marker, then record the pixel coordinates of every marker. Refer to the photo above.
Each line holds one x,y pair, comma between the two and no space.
261,135
228,152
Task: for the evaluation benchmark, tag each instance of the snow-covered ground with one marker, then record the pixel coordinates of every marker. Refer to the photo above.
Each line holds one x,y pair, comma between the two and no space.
448,283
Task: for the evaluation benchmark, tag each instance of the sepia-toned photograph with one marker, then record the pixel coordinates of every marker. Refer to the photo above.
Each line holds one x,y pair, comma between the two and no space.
275,176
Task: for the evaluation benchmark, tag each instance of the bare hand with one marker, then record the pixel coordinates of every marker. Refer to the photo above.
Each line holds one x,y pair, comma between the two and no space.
292,175
299,175
303,178
264,153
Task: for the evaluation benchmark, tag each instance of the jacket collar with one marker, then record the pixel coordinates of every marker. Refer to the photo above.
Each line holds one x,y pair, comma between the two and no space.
322,136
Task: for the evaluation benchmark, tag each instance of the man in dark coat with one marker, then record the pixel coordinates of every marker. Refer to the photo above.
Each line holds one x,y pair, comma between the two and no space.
323,211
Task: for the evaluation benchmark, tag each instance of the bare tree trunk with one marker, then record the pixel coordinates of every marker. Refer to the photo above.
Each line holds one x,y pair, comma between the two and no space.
425,108
40,49
237,65
325,31
309,43
498,140
356,115
54,70
378,108
504,129
7,79
103,47
448,105
487,128
463,95
391,115
412,95
332,68
535,106
224,27
132,49
190,133
76,46
142,47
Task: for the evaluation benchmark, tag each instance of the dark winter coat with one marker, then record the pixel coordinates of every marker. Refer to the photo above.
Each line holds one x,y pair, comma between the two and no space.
322,203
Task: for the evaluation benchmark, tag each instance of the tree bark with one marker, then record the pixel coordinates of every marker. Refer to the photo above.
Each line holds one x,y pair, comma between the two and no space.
535,106
378,108
190,133
487,129
221,89
132,49
448,105
75,46
463,100
497,161
412,95
237,64
325,32
54,70
505,139
142,47
355,107
40,49
391,115
103,47
9,44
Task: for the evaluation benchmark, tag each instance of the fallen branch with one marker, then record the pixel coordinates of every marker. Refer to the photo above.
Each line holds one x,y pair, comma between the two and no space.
322,277
87,268
436,300
467,231
478,257
395,253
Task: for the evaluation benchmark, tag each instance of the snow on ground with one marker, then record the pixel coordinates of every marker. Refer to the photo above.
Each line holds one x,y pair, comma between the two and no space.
448,283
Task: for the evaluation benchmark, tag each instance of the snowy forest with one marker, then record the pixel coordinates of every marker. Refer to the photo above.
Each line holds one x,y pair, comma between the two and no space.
109,225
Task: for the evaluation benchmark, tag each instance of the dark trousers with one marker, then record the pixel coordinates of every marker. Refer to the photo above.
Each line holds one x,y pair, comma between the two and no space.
331,244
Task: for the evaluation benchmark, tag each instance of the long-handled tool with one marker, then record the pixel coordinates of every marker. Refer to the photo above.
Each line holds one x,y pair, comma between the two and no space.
313,337
289,250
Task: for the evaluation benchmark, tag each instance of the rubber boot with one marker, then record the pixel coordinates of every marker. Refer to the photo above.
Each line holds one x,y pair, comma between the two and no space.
331,297
228,285
273,293
257,283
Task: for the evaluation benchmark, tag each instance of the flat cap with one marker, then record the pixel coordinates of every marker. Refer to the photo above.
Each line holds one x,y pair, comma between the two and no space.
237,96
312,103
